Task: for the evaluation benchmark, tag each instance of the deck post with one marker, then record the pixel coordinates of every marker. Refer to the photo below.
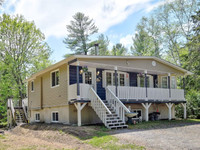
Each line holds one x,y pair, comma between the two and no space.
116,82
146,106
77,80
185,110
169,105
169,86
145,75
79,107
184,85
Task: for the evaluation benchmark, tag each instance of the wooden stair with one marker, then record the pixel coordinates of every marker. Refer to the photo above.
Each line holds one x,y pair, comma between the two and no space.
20,116
113,121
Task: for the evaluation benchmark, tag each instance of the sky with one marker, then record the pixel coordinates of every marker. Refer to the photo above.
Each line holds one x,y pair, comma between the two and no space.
116,19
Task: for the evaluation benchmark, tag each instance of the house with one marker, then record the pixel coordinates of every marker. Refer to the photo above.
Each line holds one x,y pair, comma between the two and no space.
85,89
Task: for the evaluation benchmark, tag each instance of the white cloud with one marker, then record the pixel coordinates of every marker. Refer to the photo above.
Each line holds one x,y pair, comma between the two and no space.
52,16
127,41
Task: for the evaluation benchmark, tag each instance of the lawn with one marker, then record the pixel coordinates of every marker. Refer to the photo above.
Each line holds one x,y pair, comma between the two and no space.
164,124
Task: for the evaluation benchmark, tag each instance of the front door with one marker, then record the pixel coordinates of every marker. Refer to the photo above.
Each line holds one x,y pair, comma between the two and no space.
89,77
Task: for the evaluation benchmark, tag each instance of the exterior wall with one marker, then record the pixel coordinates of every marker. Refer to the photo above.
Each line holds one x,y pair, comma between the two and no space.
88,115
34,98
72,75
46,114
162,108
144,64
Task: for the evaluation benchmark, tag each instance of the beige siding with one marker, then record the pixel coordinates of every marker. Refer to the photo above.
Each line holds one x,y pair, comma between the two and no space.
46,114
55,96
34,98
162,108
144,64
88,115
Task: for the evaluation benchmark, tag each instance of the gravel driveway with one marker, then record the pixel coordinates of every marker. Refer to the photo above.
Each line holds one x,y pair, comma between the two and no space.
175,138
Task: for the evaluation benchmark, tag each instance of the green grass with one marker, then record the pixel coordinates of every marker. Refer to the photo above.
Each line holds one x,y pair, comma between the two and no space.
2,136
163,124
107,142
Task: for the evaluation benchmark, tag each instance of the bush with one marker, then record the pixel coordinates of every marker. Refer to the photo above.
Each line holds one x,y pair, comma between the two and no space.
193,105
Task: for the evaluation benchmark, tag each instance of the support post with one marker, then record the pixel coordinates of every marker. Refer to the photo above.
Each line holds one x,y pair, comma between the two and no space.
145,75
77,80
79,107
169,86
184,85
146,106
185,110
169,105
116,83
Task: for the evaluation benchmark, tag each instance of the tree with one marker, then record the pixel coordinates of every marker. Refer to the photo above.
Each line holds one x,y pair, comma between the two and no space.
103,43
147,38
22,52
79,31
118,50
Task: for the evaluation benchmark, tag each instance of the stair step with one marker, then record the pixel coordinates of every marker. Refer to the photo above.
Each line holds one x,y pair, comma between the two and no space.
113,121
116,124
118,127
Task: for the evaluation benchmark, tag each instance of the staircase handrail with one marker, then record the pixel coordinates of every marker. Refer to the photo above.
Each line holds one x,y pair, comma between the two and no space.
117,99
10,105
24,109
99,99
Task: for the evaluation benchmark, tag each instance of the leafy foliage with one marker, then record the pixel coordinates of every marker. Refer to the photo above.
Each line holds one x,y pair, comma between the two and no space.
22,52
118,50
79,30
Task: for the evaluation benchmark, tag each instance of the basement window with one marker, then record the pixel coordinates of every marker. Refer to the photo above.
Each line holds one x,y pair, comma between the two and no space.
37,117
54,116
55,78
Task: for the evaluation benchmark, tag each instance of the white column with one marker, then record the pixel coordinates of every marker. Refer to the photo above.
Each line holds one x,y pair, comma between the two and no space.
185,110
79,107
146,106
169,105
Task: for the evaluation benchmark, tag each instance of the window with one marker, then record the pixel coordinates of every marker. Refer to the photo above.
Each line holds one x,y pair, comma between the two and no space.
32,86
108,78
88,78
173,82
139,111
122,80
142,81
37,117
55,78
54,116
164,83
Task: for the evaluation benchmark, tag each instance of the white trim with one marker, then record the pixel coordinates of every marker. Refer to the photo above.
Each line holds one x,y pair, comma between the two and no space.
162,82
51,78
52,116
37,113
93,71
150,81
126,83
33,86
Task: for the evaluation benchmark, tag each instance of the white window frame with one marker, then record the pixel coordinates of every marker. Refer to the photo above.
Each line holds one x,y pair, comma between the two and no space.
126,82
36,119
52,116
51,78
162,82
150,81
32,90
175,87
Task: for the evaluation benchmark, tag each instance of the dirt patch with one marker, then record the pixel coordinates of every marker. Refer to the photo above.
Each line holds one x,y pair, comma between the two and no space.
44,136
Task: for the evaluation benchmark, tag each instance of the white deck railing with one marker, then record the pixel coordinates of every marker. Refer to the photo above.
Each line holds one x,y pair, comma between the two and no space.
139,93
118,106
84,91
98,106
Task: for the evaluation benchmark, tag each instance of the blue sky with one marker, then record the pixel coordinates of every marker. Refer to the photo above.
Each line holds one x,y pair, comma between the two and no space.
116,19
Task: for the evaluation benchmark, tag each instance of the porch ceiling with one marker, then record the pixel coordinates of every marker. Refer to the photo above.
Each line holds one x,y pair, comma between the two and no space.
119,68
